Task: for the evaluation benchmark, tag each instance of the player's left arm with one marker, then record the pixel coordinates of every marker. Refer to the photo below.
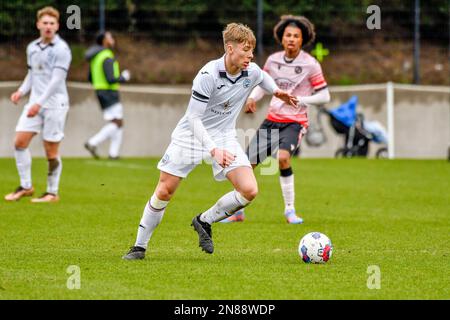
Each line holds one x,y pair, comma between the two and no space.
108,68
59,74
321,93
317,99
269,85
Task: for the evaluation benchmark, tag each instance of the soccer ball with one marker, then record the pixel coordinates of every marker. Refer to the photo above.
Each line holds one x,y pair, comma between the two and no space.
315,247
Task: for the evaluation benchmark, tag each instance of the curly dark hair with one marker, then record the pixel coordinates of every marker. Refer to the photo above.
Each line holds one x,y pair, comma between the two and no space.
307,28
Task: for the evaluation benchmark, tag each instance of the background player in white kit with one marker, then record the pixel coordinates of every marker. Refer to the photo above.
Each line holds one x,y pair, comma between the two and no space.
48,61
207,131
300,74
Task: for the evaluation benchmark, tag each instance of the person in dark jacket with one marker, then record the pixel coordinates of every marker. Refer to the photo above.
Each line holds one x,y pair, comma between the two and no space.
105,76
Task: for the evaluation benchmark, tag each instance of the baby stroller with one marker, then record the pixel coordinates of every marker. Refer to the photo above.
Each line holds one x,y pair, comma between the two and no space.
358,133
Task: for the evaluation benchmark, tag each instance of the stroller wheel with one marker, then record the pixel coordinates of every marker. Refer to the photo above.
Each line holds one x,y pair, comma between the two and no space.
343,153
382,153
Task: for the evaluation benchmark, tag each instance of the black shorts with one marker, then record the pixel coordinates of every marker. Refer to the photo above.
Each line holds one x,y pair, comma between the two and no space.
271,137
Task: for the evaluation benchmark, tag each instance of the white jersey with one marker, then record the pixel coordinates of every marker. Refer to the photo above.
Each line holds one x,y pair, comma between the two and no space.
42,59
225,96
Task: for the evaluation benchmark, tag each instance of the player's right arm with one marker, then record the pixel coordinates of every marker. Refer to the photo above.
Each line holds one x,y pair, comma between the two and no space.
317,81
25,88
201,92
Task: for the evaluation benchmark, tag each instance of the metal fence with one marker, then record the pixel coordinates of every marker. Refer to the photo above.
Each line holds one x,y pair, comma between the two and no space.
204,19
341,26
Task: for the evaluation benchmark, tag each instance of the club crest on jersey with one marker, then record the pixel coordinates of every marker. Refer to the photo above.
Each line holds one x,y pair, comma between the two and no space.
226,106
298,70
247,83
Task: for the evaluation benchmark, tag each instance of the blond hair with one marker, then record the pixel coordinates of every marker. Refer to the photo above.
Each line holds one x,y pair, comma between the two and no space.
48,11
238,33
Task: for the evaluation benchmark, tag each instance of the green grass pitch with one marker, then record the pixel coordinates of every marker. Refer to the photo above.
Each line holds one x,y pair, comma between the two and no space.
390,214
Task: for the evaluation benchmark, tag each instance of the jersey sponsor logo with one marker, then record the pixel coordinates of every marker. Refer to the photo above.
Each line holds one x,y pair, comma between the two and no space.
284,83
247,83
298,70
204,72
220,87
221,113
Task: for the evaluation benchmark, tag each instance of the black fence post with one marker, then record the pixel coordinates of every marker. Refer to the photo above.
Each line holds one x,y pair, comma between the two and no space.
417,42
260,31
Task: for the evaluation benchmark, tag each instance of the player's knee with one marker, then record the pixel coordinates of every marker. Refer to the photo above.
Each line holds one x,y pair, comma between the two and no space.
284,160
250,192
164,193
51,154
20,144
51,150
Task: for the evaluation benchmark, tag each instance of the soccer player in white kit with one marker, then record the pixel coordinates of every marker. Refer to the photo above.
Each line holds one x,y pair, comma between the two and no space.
207,132
48,61
300,74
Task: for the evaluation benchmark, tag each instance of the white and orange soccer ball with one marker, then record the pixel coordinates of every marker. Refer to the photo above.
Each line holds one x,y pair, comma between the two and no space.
315,247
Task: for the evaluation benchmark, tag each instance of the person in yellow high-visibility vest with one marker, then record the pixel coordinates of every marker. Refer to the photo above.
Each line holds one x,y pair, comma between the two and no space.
105,76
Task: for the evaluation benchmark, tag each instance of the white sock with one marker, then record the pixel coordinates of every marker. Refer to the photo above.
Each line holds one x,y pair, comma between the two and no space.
105,133
116,142
224,207
23,163
287,189
54,175
152,216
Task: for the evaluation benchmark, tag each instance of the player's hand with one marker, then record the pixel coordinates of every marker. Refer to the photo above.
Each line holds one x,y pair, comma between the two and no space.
286,97
223,157
15,97
34,110
250,106
126,75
